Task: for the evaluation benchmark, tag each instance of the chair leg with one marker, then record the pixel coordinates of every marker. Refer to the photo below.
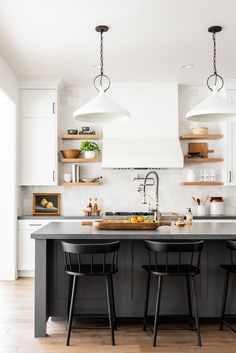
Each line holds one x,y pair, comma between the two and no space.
72,302
195,309
226,284
157,310
189,303
69,299
146,302
113,302
110,311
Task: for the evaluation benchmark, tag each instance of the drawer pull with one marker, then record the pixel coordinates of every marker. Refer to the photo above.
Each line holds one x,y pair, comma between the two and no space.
35,225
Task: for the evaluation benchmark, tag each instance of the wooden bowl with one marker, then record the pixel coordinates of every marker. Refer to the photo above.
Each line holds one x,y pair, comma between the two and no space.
200,130
70,153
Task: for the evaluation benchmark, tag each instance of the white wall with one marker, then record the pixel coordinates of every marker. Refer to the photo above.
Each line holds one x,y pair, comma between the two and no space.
119,191
8,190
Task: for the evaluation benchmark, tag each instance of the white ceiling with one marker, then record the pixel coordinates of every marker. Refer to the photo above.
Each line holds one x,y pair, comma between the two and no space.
149,40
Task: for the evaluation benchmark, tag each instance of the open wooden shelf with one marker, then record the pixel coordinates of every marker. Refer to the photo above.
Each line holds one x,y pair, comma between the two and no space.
202,160
95,183
81,137
203,183
201,137
80,160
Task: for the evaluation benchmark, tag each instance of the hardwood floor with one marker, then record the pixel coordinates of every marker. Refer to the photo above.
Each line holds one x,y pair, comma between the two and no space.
16,332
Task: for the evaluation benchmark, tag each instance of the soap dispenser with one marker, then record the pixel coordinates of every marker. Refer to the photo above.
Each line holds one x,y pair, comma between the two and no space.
189,217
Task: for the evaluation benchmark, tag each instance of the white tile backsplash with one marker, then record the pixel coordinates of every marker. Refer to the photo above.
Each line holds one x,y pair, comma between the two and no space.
118,191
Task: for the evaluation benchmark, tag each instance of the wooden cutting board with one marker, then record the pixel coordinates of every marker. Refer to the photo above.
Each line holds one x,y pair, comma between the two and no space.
124,225
202,148
90,223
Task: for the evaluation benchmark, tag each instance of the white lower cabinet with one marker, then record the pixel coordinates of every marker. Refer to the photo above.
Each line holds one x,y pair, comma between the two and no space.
26,248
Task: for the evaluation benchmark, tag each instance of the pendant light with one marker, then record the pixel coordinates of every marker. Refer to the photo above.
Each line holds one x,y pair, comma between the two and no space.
101,109
215,107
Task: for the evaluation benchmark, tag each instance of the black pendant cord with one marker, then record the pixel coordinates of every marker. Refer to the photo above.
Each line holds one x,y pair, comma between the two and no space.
101,76
216,76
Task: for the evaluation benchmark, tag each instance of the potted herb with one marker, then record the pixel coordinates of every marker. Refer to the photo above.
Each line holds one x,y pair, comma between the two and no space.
89,149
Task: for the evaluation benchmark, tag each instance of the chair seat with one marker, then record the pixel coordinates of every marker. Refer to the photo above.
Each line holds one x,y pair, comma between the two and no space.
172,270
87,270
229,268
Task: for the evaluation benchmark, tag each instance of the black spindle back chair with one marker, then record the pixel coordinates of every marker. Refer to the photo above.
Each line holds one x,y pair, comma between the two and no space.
229,269
99,259
91,259
173,259
169,258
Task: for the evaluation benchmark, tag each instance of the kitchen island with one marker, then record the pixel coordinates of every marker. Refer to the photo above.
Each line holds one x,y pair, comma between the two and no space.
51,281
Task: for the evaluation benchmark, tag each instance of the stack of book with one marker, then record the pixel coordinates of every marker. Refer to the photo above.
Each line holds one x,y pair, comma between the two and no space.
75,173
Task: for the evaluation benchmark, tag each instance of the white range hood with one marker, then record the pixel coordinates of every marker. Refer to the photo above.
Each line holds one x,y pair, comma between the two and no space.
150,139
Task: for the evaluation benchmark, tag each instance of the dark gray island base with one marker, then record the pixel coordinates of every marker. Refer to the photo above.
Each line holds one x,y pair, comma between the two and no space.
51,282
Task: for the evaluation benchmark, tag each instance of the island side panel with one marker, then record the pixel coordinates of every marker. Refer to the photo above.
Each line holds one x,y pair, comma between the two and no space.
40,313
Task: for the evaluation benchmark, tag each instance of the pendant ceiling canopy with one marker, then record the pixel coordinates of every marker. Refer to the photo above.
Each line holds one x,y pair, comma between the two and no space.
215,107
101,109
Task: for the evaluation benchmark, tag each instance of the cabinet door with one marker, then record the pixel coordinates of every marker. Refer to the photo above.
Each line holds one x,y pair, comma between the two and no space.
38,151
38,103
38,138
231,144
26,250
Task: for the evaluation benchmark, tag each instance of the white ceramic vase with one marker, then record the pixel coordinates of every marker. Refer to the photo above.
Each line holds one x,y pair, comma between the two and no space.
89,154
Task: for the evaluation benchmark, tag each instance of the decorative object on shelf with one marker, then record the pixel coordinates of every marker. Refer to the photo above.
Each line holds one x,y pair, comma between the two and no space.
72,132
101,109
191,175
200,130
89,148
215,107
85,130
216,205
46,204
90,180
70,153
67,177
75,173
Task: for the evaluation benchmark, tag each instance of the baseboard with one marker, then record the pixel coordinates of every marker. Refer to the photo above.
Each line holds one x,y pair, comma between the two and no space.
8,274
25,274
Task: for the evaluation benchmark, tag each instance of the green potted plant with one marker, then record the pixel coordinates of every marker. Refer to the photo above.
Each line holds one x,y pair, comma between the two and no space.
89,148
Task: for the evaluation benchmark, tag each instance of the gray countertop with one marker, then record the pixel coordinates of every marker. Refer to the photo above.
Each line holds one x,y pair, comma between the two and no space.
30,217
71,230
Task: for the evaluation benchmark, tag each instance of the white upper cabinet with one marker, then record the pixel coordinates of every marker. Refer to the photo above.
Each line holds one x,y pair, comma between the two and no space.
231,144
38,137
38,103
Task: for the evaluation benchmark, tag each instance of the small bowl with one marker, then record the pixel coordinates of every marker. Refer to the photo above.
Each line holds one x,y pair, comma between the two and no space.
70,153
72,132
200,130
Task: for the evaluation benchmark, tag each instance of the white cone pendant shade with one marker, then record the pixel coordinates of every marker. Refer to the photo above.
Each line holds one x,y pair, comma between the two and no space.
214,108
101,109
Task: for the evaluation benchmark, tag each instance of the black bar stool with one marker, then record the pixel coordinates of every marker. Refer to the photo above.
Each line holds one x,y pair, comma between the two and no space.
173,259
91,260
231,268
